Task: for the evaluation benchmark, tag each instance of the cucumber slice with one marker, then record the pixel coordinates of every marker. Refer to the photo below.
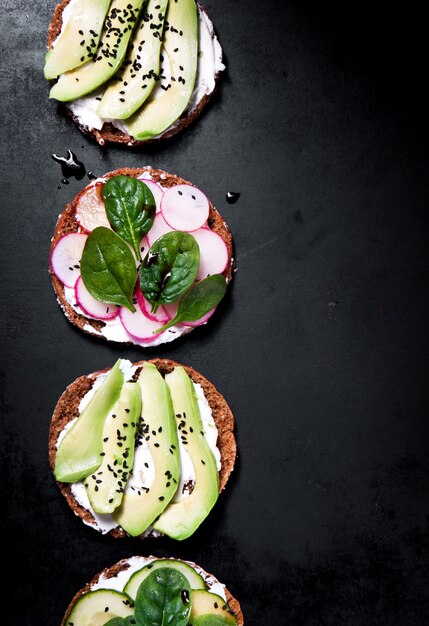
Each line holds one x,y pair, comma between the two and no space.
195,580
205,603
96,608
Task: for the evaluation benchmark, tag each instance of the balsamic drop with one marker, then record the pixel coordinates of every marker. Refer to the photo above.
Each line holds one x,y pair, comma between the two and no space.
70,165
185,596
65,181
91,175
232,197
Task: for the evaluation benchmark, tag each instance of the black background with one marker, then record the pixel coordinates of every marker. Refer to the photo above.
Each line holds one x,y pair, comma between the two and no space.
320,348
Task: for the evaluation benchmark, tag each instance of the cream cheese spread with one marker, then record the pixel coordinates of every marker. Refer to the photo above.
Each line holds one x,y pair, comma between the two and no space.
136,563
143,472
209,65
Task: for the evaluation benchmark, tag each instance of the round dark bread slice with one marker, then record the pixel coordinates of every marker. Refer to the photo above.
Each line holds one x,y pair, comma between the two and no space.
109,133
67,223
114,570
67,409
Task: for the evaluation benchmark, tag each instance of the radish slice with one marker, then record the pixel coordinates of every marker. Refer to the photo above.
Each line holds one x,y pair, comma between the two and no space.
185,208
66,256
92,307
201,321
214,255
137,325
90,210
157,191
170,309
159,228
160,316
144,247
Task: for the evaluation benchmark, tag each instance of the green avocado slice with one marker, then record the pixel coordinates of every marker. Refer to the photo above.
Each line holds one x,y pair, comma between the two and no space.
180,52
135,80
205,603
98,607
105,488
141,505
79,452
181,518
117,31
78,41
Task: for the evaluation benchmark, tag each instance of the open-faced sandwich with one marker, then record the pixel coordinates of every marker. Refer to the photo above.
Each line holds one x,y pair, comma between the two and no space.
140,256
142,449
146,591
131,71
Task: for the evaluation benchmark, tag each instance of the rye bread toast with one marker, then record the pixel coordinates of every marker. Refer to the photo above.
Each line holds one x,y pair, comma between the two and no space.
67,409
67,223
109,134
114,570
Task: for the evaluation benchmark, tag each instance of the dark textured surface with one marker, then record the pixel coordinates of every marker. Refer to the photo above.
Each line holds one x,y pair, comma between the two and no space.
321,351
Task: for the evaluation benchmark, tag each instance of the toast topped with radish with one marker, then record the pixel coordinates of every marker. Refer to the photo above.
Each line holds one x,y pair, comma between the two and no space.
132,71
142,449
146,590
140,256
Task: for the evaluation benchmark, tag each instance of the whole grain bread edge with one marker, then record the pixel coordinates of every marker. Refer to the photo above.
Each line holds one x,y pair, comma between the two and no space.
67,223
114,570
67,409
109,133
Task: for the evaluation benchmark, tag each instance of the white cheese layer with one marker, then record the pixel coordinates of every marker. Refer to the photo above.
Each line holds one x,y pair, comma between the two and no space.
209,65
136,563
143,472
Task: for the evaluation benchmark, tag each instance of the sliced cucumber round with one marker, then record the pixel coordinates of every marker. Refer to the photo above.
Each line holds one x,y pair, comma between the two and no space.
210,620
96,608
195,580
205,603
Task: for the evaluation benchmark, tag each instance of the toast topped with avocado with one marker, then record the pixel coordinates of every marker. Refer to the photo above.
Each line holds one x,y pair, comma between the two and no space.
140,256
146,590
132,71
142,449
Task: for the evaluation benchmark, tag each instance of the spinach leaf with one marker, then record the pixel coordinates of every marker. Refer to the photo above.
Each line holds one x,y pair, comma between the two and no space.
202,298
130,207
169,268
108,268
121,621
164,597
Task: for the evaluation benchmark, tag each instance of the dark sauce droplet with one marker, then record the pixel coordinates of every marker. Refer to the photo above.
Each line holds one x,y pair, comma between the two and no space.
71,167
232,197
185,596
65,181
151,259
91,175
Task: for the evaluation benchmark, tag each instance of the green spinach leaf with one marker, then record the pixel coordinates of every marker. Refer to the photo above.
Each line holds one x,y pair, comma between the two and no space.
202,298
169,268
108,268
164,597
121,621
130,207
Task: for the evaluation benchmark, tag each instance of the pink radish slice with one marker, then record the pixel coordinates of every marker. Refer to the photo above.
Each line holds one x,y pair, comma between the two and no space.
185,208
144,247
214,255
66,256
157,191
137,325
92,307
170,309
201,321
160,316
159,228
90,210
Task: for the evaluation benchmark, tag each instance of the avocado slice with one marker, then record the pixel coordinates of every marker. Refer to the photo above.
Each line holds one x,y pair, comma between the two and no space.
182,518
211,620
141,505
117,31
180,53
78,41
79,452
205,603
105,488
135,80
195,580
98,607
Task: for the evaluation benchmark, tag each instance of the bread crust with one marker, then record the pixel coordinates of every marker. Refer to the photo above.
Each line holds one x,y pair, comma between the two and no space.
114,570
109,134
67,409
67,223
